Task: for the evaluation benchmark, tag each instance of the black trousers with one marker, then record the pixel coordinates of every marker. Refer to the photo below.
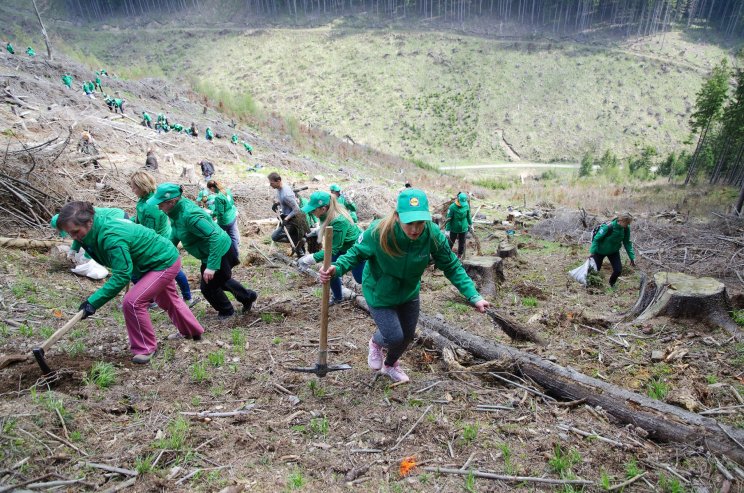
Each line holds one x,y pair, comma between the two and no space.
214,290
617,265
460,237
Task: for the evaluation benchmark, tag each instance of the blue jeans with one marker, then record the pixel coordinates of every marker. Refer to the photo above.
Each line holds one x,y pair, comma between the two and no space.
356,271
396,326
232,230
183,284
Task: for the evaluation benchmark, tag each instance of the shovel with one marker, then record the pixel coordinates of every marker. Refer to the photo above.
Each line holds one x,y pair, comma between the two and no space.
286,232
322,368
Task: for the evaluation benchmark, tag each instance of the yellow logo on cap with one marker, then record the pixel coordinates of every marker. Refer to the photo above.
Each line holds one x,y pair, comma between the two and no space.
414,202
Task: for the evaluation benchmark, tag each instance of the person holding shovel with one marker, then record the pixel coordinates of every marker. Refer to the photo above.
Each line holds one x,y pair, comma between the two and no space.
224,211
607,242
397,249
143,185
459,222
327,209
101,212
291,217
206,241
131,249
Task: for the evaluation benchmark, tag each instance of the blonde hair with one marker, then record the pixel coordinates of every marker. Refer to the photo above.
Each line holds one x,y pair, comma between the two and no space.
386,235
335,209
144,181
215,184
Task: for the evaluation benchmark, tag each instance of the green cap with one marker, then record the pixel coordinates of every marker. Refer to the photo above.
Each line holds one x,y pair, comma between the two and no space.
462,197
53,223
413,206
165,191
334,187
317,199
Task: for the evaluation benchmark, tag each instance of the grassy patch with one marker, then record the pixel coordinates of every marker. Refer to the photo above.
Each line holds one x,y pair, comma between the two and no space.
529,301
175,436
656,388
102,375
199,371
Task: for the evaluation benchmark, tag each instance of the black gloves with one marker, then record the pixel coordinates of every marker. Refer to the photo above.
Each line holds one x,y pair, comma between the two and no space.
87,308
275,207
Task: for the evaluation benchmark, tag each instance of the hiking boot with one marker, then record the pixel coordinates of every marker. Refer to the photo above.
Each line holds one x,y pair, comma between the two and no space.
346,293
395,372
192,301
225,316
180,337
375,356
141,359
249,304
334,301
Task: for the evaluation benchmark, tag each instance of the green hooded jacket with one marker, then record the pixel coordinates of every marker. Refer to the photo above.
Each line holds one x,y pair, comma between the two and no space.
394,280
345,235
67,80
350,206
610,238
100,212
234,139
10,49
224,209
127,249
146,116
198,234
30,52
459,218
150,216
247,147
177,127
209,133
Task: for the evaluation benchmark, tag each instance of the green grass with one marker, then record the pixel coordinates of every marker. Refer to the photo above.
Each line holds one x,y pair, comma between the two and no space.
670,484
75,348
238,339
176,434
216,358
102,375
529,301
656,388
562,462
319,426
315,389
470,432
143,464
492,183
199,371
295,480
738,316
26,330
632,469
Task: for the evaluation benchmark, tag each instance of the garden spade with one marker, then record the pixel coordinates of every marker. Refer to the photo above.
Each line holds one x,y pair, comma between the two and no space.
39,351
322,368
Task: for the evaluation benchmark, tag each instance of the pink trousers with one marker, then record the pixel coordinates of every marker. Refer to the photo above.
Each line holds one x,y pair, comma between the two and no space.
160,286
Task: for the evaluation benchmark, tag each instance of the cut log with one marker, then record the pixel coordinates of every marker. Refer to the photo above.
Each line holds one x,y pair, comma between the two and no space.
514,329
507,249
26,243
487,272
677,295
663,422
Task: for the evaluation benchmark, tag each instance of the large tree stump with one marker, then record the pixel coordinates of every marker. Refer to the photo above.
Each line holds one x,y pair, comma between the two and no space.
487,272
678,295
507,249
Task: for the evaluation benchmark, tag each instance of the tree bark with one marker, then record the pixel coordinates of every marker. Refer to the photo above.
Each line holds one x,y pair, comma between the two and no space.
43,32
27,243
487,272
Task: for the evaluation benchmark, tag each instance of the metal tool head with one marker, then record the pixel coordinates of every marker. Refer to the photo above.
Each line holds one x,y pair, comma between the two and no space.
322,370
39,357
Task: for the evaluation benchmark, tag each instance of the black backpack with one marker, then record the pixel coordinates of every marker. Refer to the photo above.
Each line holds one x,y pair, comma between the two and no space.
596,228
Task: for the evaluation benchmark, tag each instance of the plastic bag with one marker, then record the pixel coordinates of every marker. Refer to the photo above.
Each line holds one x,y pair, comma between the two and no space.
91,269
581,272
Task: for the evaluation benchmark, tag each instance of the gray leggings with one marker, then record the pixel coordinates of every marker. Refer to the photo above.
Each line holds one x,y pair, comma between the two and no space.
396,326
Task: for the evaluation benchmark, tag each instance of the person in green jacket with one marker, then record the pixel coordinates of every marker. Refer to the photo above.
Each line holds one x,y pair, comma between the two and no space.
224,211
101,212
234,139
398,249
129,250
10,48
30,52
208,133
177,127
203,239
343,200
67,80
459,222
248,148
146,120
143,185
98,83
325,207
607,242
88,88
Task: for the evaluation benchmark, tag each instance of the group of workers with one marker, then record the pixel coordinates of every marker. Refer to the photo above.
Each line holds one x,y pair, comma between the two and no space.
29,51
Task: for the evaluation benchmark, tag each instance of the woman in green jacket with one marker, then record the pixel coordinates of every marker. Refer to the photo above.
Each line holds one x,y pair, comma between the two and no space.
206,241
325,207
459,222
101,212
130,249
224,211
607,242
397,249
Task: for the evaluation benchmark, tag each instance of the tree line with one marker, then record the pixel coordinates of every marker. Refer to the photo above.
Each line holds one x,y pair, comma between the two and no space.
633,17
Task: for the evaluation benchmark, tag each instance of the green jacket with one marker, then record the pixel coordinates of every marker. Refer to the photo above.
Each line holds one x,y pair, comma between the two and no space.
67,80
394,280
198,234
100,212
224,209
98,81
248,147
127,249
234,139
459,218
311,219
30,51
150,216
146,116
350,206
118,102
610,238
10,49
177,127
209,133
345,235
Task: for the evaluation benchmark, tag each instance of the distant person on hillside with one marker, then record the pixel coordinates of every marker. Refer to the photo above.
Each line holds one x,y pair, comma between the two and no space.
208,133
30,52
119,105
345,201
87,145
162,123
10,48
102,72
290,213
234,139
98,83
177,127
207,169
193,131
146,120
247,147
67,80
459,222
203,239
88,89
607,242
152,161
224,211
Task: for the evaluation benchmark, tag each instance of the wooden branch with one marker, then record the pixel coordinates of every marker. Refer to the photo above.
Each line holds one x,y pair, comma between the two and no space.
501,477
121,486
118,470
28,243
628,482
426,411
14,99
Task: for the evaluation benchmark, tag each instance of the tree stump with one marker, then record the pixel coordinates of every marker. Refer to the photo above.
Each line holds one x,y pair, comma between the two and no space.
507,249
678,295
487,272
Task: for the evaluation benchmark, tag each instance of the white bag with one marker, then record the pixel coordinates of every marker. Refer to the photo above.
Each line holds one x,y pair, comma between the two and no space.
581,272
88,267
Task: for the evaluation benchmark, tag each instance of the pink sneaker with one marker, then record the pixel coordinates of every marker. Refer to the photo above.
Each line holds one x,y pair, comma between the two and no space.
395,372
375,356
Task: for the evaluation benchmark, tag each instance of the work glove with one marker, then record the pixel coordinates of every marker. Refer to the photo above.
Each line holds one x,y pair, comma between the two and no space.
275,207
87,308
306,261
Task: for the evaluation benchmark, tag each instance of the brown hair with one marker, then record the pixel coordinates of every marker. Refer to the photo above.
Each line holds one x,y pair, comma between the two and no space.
625,216
77,213
215,184
335,209
274,176
144,181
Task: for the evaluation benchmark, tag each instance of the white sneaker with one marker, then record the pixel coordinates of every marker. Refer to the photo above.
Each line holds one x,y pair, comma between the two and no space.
346,293
375,356
395,372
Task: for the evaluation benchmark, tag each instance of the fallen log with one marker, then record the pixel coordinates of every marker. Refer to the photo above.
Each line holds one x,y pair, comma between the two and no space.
27,243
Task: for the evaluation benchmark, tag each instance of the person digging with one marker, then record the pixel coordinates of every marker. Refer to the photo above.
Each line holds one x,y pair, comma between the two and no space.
607,242
206,241
131,249
397,249
292,222
459,222
327,209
